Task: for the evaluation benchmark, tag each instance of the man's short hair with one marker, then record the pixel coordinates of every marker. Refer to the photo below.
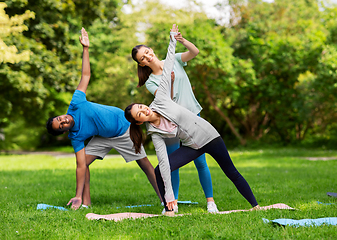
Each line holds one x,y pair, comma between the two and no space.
50,128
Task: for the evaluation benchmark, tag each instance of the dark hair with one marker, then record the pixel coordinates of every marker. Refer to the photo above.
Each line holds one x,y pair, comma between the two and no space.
136,132
143,72
50,128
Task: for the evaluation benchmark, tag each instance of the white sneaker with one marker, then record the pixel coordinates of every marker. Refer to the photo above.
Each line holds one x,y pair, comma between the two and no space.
175,209
211,207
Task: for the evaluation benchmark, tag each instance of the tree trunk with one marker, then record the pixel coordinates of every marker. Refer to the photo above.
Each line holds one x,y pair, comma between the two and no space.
228,121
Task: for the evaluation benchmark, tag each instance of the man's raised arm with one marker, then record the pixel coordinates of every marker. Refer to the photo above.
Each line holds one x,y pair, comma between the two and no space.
85,77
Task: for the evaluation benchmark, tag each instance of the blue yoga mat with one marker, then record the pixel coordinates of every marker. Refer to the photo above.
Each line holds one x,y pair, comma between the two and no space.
187,202
332,194
43,206
134,206
304,222
150,205
324,203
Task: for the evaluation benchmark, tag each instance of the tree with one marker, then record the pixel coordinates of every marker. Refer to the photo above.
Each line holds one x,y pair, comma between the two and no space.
283,40
12,26
41,87
9,54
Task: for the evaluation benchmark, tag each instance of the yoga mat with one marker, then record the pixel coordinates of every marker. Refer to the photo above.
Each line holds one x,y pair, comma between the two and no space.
150,205
304,222
135,206
119,216
332,194
275,206
43,206
187,202
129,215
325,203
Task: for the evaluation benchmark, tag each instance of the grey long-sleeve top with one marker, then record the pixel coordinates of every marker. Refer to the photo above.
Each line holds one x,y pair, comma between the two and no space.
193,131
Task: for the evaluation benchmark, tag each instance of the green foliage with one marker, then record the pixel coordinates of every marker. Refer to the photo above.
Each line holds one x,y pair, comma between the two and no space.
12,26
267,76
113,78
19,136
284,40
33,90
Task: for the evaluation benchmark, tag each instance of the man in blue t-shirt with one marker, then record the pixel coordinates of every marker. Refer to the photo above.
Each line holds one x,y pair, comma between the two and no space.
105,124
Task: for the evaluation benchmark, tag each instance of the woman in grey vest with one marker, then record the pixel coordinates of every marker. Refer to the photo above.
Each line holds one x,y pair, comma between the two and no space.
150,70
166,119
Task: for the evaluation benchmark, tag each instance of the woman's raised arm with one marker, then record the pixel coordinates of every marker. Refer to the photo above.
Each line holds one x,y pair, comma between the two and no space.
165,83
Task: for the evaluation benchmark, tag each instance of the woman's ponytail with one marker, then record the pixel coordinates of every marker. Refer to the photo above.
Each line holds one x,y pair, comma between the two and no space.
136,132
137,136
143,72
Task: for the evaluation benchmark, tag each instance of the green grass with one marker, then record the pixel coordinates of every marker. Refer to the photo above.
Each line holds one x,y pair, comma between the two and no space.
275,176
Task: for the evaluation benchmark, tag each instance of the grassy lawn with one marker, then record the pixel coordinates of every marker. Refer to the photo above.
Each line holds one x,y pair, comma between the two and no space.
275,176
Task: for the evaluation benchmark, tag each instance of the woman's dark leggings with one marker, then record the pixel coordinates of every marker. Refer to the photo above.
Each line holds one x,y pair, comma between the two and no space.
217,149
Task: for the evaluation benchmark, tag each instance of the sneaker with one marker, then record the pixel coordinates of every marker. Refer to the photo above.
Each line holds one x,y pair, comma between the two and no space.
211,207
175,210
169,214
84,206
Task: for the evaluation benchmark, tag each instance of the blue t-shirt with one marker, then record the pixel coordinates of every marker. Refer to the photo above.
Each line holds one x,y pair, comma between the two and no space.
94,119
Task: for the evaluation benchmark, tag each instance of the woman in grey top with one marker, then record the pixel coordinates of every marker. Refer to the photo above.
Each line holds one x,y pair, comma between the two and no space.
150,70
166,119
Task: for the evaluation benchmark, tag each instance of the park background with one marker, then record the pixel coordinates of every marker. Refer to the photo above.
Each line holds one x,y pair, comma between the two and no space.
265,74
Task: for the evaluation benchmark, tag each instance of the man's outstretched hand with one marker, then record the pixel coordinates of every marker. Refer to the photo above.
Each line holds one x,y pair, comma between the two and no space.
84,38
75,203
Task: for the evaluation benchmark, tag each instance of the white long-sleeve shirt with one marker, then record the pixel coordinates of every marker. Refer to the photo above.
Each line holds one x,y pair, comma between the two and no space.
193,131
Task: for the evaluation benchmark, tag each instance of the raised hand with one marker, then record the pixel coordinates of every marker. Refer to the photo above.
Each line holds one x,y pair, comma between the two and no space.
84,38
178,36
175,28
192,49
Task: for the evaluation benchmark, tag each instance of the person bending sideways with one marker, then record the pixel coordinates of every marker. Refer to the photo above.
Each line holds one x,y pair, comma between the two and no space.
166,119
105,124
150,70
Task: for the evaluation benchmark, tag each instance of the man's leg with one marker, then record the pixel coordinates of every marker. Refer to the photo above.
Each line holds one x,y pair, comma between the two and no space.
124,146
86,200
148,169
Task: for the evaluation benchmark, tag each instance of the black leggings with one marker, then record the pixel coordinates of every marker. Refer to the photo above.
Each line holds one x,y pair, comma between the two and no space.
217,149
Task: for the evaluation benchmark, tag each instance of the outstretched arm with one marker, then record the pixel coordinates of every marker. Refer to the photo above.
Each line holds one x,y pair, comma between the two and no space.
84,39
164,89
81,168
172,88
163,92
192,52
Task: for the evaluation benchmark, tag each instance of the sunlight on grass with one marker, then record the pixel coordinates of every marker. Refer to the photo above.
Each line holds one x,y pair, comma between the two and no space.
33,162
275,176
